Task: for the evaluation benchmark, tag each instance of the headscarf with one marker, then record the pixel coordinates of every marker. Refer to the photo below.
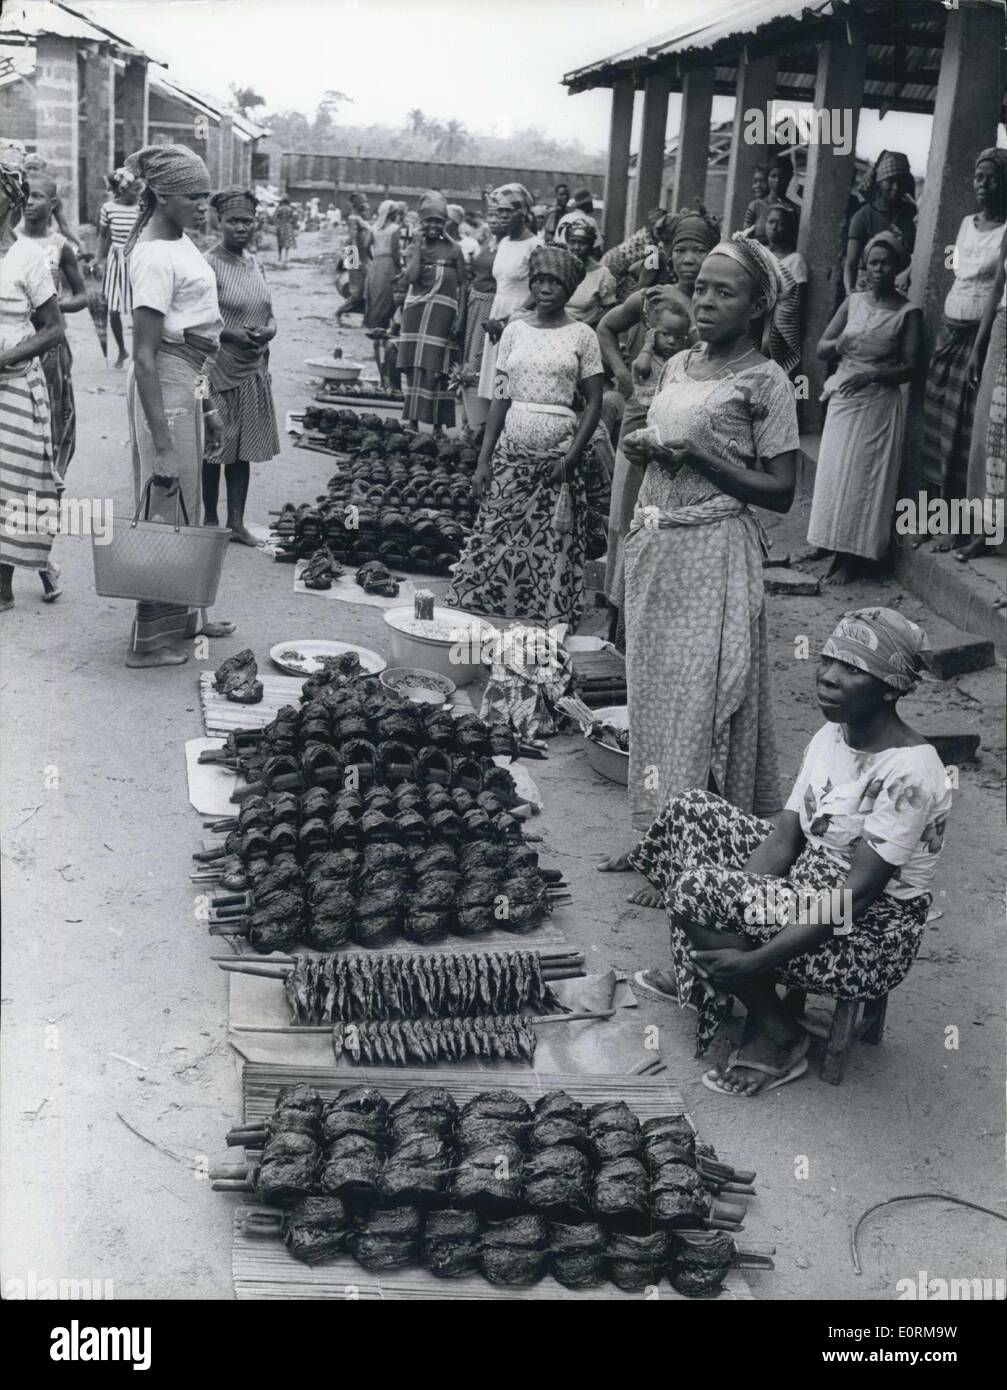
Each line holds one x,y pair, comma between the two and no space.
581,219
998,157
759,263
509,194
456,213
791,214
892,164
897,245
166,170
233,200
883,643
12,178
691,224
433,204
385,210
557,261
119,180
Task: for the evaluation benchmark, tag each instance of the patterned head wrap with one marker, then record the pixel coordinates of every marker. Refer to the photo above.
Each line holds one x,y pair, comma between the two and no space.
509,197
456,213
691,224
558,262
581,222
166,170
789,213
12,178
999,158
434,204
230,200
883,643
757,261
895,243
386,210
892,164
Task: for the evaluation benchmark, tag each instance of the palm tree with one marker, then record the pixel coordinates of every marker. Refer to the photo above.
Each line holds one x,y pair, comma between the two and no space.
416,121
452,139
245,98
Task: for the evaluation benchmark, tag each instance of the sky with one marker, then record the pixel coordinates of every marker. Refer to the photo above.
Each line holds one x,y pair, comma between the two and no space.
494,64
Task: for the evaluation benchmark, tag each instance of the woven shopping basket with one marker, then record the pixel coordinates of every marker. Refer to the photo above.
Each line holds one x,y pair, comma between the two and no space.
161,561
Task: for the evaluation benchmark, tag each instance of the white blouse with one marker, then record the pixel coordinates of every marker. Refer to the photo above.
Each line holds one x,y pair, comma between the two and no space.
976,259
25,285
175,278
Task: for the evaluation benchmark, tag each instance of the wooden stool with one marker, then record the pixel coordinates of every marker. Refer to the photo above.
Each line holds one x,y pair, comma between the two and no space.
845,1028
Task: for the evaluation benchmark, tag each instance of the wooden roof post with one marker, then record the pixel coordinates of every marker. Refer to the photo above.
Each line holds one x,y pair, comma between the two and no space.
828,176
134,105
97,130
650,162
966,112
693,137
57,137
617,173
753,96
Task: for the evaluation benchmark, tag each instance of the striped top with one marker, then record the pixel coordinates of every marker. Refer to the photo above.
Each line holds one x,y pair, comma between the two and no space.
245,302
119,218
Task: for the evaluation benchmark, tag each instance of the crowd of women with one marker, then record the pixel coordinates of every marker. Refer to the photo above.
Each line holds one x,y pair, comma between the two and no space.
678,346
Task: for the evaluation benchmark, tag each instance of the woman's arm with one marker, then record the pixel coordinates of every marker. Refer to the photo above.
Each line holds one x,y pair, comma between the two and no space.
619,320
772,488
77,299
61,223
104,243
50,332
592,388
494,427
910,342
148,328
779,850
828,344
974,366
396,246
864,884
851,266
415,266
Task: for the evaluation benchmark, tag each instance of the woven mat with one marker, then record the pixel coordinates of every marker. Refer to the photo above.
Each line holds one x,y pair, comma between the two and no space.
221,716
263,1269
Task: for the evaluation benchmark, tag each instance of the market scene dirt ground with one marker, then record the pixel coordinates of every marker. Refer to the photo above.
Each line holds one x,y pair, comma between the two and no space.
119,1084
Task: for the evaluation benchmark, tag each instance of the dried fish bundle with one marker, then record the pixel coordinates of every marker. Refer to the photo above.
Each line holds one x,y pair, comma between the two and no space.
577,1254
700,1261
387,1239
514,1251
314,1231
293,1149
679,1197
399,1041
451,1243
636,1261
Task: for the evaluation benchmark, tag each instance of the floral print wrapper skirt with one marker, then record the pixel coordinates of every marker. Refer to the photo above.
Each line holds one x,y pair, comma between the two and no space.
694,853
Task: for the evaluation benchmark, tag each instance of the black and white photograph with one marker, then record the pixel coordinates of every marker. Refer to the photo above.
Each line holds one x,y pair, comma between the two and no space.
504,626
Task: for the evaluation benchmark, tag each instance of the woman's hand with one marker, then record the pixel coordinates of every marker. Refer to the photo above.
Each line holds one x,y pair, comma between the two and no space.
673,455
164,473
728,969
261,336
855,383
481,478
974,369
493,328
638,447
563,469
624,384
240,338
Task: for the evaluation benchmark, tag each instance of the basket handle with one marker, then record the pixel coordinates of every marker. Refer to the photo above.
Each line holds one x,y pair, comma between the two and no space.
181,512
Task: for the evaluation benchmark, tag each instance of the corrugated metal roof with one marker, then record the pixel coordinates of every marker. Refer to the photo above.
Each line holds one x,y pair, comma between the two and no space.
162,80
27,19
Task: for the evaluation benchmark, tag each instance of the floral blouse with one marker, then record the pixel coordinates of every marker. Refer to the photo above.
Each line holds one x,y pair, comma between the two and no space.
897,801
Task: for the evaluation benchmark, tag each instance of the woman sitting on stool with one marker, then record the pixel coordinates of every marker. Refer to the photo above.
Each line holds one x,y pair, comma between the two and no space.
834,897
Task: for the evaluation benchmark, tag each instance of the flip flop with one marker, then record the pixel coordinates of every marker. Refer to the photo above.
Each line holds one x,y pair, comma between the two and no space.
780,1075
642,983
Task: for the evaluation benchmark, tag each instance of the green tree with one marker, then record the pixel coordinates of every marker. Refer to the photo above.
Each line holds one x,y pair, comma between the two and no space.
246,99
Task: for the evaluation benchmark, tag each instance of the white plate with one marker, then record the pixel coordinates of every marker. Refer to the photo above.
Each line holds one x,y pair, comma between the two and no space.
311,650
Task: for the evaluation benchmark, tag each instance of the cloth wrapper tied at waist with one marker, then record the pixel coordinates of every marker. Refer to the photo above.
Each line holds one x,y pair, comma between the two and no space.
714,509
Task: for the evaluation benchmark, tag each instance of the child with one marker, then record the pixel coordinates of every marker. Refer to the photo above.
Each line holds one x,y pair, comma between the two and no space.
668,317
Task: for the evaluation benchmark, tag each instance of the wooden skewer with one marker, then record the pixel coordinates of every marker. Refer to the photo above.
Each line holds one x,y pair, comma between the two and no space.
733,1212
327,1028
232,1185
713,1225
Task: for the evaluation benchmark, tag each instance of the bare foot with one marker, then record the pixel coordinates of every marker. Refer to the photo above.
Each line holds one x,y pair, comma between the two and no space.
210,519
646,897
50,588
121,360
616,863
243,536
221,629
814,552
948,543
163,656
967,552
659,981
842,573
6,602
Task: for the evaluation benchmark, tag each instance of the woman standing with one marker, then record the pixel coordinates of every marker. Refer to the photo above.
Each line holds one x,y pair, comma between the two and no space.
240,388
721,438
57,363
876,334
949,400
478,303
888,207
115,222
176,327
30,325
384,265
986,371
355,256
689,237
286,228
596,293
755,213
431,317
511,205
525,559
782,340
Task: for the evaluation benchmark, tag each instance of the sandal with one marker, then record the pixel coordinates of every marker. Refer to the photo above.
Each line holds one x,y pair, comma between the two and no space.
780,1075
